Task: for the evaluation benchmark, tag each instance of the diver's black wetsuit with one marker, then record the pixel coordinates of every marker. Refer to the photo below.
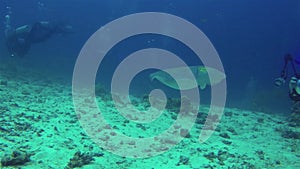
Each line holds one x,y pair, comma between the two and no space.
18,41
294,95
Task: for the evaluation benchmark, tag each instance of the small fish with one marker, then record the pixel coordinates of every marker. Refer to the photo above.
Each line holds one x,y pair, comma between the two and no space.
200,73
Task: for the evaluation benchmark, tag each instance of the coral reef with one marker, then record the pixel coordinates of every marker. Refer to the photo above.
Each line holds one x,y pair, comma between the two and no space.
183,160
15,158
80,159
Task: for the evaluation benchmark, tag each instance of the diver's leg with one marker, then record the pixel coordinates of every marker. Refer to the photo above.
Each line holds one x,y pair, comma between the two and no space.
294,119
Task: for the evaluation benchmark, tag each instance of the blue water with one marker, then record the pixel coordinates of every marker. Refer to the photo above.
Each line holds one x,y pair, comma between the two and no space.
251,37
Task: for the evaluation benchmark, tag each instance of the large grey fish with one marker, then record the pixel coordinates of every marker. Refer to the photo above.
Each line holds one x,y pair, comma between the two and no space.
200,73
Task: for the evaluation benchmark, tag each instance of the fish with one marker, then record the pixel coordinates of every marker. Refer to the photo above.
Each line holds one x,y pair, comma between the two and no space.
201,77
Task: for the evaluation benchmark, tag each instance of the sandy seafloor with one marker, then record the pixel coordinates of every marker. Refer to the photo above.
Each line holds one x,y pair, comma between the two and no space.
38,117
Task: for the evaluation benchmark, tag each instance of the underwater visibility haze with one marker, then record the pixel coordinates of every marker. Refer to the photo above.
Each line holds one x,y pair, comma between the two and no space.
150,84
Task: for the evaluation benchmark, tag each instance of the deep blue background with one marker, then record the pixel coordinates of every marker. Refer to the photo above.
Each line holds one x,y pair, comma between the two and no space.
251,37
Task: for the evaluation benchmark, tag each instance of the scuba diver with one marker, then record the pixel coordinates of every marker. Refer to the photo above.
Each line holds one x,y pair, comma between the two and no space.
294,83
18,41
294,88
